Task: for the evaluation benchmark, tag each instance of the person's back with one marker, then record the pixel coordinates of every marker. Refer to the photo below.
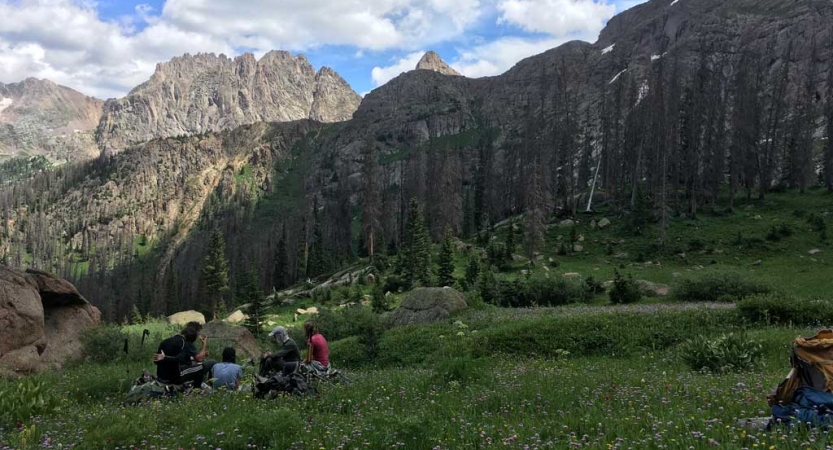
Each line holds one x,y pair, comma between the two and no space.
227,373
167,370
320,350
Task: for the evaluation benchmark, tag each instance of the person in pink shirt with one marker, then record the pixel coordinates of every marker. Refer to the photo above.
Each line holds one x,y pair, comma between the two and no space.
318,353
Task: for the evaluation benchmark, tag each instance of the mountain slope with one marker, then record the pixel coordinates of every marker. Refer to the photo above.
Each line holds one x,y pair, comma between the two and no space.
39,117
677,104
205,93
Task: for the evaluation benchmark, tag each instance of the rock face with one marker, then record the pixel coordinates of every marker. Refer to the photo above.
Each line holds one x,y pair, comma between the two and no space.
39,117
226,335
203,93
42,319
432,61
183,317
427,305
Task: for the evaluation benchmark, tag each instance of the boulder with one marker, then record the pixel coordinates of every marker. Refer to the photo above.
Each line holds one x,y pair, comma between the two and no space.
572,275
814,251
567,223
236,317
427,305
650,289
42,320
604,223
181,318
370,279
578,248
309,311
224,335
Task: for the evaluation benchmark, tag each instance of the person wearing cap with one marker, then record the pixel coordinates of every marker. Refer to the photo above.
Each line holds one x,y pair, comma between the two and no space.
288,353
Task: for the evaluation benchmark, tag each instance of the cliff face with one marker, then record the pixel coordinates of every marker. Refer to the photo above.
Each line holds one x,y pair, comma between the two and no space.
39,117
205,93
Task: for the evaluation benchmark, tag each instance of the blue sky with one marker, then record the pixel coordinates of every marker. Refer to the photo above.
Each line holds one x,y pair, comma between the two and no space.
105,47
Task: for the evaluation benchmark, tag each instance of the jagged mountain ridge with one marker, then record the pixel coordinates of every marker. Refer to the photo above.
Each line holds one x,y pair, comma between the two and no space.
39,117
430,129
207,93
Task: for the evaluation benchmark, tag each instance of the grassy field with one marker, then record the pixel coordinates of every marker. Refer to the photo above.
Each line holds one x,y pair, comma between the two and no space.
642,399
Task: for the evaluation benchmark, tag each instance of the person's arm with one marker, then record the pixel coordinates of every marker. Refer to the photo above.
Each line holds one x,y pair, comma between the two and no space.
285,350
308,358
204,351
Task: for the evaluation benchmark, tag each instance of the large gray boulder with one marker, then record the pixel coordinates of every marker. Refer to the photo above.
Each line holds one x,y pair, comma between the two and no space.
181,318
227,335
427,305
42,321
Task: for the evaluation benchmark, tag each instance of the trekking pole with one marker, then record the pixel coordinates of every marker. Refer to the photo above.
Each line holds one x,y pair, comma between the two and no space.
145,333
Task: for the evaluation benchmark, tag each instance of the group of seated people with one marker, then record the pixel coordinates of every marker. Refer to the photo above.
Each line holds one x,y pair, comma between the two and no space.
178,361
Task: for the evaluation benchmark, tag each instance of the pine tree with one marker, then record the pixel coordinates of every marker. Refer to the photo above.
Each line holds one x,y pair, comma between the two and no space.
316,264
302,255
510,242
445,271
254,297
281,263
215,280
172,291
136,315
416,248
379,302
472,271
370,205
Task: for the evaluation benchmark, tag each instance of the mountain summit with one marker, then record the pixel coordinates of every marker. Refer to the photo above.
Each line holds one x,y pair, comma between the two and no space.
207,93
39,117
432,61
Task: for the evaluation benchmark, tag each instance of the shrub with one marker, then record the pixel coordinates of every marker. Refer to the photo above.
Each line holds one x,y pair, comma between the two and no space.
624,290
461,369
379,301
731,352
593,286
25,398
775,309
540,292
345,322
718,286
695,245
104,343
396,283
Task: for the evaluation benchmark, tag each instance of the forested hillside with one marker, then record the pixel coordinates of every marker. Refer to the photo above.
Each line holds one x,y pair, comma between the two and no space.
681,108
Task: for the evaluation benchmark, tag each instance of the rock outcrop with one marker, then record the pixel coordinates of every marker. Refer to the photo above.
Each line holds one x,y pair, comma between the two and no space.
39,117
427,305
183,317
226,335
42,320
432,61
207,93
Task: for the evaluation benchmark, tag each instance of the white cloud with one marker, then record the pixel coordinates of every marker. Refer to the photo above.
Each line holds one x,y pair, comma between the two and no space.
67,42
382,75
556,17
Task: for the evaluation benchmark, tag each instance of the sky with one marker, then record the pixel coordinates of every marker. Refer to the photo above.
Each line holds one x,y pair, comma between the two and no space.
104,48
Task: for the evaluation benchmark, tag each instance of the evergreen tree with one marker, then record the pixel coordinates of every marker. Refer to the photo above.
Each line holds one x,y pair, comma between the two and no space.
215,281
136,315
416,248
370,205
472,271
445,271
254,297
510,242
379,302
172,292
282,263
302,255
316,264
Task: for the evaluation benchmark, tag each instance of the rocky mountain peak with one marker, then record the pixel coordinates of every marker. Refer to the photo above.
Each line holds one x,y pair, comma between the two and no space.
432,61
208,92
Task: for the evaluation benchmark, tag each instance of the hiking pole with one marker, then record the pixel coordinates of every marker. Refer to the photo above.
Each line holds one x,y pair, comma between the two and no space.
145,333
126,360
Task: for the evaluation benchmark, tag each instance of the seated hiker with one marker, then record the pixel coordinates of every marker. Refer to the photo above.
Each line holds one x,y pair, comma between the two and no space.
227,373
177,359
288,353
318,353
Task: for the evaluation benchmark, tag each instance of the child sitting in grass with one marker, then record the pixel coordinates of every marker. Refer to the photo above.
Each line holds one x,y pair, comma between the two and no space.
227,373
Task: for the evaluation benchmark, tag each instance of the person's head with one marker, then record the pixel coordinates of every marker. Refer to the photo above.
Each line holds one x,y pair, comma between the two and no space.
191,331
229,355
310,329
279,333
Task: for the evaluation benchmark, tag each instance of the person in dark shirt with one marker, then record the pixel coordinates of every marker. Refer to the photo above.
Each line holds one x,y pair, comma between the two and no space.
177,359
286,359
